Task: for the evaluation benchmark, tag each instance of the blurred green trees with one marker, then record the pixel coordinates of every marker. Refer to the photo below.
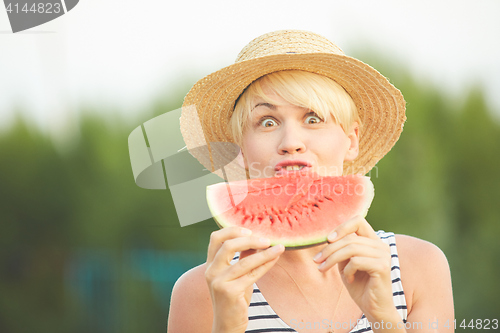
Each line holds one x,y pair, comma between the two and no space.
83,249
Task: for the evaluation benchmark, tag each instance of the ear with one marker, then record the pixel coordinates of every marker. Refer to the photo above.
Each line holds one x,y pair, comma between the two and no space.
353,136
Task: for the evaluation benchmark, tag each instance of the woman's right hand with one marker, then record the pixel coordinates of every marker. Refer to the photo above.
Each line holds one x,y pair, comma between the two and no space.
231,286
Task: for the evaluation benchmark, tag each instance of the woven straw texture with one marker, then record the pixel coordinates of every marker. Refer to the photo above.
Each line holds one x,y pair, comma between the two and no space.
209,104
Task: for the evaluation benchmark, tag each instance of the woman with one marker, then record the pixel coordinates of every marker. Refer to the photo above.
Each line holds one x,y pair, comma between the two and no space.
292,101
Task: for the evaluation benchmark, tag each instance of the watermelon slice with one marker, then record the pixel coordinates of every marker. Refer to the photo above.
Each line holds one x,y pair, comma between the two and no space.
297,209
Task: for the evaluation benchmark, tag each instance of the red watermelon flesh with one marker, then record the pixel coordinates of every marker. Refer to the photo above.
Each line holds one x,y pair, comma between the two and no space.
297,209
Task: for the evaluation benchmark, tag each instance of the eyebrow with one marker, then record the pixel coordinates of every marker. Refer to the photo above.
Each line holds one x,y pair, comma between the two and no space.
269,105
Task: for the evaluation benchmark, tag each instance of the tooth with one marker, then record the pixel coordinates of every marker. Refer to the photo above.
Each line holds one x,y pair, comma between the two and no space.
293,167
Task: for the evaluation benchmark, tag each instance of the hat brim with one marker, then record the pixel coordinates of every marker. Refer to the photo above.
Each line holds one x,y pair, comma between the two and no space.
381,107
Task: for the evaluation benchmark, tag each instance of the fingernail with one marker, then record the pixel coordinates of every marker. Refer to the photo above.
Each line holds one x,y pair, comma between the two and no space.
317,256
332,236
245,231
320,266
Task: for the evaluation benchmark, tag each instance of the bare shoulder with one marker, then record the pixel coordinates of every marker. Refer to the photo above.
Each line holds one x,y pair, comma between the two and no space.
417,253
425,271
190,303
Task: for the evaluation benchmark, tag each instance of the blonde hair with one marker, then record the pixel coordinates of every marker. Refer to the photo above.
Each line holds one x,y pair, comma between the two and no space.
312,91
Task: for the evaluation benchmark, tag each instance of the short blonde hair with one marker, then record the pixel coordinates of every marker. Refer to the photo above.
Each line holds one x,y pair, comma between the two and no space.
309,90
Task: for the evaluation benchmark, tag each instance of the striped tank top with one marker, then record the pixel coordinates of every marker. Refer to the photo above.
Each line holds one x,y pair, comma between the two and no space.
262,318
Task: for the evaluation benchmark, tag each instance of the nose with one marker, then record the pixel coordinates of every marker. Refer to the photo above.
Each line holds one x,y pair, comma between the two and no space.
291,141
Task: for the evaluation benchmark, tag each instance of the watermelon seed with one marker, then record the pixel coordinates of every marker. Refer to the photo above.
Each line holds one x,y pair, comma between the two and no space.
328,198
315,205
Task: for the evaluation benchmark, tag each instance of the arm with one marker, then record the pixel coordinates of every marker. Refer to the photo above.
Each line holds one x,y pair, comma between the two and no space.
425,272
190,304
364,264
215,297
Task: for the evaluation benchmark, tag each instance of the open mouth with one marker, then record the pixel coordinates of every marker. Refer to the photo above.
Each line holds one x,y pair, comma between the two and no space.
291,166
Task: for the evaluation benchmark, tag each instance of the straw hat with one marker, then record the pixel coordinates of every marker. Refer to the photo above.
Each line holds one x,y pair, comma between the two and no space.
209,104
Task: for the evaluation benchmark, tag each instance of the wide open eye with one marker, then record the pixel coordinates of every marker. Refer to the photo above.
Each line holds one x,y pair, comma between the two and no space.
268,122
313,119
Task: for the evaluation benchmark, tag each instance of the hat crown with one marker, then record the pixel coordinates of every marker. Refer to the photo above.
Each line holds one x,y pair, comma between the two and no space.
287,42
208,107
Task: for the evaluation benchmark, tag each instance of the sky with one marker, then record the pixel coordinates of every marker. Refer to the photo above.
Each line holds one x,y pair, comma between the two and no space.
122,55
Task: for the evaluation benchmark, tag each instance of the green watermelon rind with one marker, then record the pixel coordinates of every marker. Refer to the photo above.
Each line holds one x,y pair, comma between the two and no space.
296,243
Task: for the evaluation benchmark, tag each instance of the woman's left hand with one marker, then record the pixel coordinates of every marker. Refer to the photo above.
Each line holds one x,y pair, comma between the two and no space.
364,263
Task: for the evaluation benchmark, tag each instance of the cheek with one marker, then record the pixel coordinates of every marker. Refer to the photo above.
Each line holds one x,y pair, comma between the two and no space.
333,148
254,153
258,151
254,141
252,147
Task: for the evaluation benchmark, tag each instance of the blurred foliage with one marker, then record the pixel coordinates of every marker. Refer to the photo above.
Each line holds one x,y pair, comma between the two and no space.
86,250
440,183
73,225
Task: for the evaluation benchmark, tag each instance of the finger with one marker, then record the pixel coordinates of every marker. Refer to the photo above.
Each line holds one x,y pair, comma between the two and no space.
229,248
331,248
258,265
244,254
230,287
217,238
372,266
246,265
350,251
357,225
